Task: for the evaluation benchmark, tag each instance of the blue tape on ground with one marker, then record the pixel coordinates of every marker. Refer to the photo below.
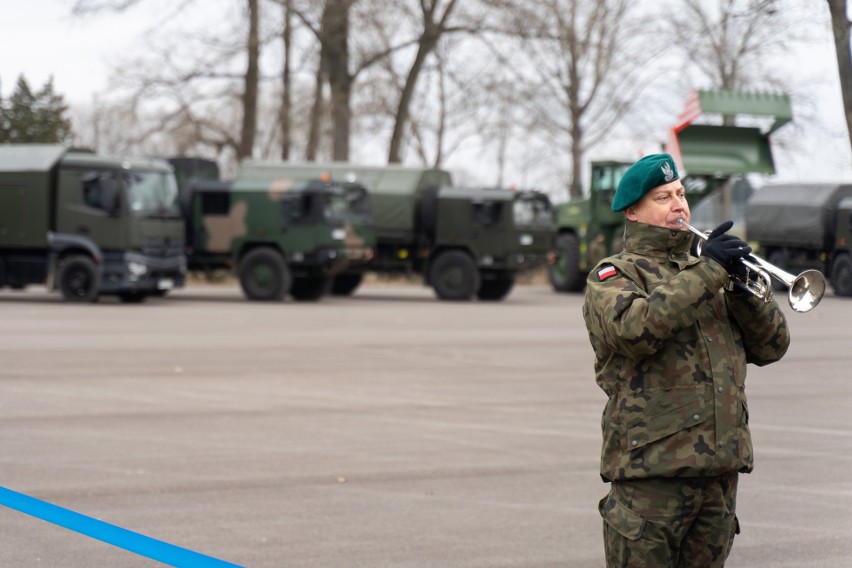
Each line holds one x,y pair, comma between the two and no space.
116,536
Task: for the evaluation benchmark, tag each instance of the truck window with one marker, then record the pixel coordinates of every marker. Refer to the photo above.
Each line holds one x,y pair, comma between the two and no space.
152,192
295,206
606,177
101,190
215,203
347,203
532,211
92,190
486,213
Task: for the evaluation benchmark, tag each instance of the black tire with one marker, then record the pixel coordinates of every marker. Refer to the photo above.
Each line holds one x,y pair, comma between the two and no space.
77,279
454,276
264,276
495,290
310,289
565,274
346,283
132,297
841,275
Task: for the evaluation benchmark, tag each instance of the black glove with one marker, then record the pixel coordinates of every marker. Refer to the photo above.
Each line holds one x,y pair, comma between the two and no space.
744,271
725,249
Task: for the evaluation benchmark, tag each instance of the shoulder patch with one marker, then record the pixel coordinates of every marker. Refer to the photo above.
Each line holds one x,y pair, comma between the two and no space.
606,272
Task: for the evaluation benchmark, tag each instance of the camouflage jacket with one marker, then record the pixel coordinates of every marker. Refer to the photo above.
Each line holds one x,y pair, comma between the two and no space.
671,348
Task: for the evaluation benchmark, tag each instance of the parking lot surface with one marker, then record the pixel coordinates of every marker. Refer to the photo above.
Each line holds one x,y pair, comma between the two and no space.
388,429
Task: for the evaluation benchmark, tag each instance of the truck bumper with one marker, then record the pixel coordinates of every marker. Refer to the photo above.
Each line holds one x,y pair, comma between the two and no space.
517,262
331,261
136,272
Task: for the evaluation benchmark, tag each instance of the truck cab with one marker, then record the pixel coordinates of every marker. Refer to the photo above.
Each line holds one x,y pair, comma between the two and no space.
88,225
280,238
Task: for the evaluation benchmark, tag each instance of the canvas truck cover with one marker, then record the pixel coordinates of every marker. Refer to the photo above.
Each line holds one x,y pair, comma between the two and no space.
801,215
394,190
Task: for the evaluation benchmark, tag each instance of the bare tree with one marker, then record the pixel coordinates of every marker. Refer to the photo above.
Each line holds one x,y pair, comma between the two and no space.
581,65
286,81
174,76
840,27
249,122
434,24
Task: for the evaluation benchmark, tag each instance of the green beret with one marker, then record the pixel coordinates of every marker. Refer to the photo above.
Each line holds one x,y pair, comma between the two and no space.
651,171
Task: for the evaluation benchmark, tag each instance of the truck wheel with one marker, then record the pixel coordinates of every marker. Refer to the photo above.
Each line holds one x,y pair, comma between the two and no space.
263,275
495,290
78,279
841,275
346,283
309,289
454,276
565,274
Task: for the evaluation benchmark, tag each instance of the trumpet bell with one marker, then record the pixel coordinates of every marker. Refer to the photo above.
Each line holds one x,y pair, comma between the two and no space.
806,291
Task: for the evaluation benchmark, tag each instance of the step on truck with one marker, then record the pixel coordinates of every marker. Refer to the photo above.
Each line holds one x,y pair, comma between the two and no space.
465,243
279,239
805,226
88,225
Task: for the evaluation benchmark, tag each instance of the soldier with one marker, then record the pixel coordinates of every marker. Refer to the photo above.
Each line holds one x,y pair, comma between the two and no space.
671,347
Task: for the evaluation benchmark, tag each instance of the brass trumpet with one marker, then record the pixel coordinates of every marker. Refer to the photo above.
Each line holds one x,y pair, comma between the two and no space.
805,290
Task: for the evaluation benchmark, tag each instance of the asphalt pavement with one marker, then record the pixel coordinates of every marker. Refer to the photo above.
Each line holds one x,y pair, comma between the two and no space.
389,429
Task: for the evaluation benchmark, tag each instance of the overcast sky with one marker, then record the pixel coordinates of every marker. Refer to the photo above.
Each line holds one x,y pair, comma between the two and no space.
40,39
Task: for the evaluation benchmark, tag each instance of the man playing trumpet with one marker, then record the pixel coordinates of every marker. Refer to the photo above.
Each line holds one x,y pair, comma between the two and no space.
671,347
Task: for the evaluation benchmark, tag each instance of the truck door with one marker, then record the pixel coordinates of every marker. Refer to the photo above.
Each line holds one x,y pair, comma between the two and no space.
90,204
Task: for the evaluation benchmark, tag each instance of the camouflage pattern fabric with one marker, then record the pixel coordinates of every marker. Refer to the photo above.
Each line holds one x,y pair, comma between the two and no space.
671,348
670,523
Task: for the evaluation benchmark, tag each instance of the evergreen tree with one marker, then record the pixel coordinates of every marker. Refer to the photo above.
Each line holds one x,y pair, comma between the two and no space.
34,117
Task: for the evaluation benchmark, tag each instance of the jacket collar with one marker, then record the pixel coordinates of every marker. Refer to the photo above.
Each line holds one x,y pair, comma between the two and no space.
650,240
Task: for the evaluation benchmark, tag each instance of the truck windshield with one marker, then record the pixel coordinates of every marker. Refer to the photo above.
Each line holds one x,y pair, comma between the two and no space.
347,203
529,211
152,193
605,177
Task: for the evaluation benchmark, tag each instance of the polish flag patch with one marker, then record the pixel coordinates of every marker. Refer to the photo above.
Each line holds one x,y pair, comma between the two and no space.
606,272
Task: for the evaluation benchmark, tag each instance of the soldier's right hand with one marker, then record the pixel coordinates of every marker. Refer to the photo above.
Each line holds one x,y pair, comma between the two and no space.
723,248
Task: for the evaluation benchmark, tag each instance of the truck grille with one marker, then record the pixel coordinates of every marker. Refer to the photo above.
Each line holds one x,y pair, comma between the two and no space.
162,246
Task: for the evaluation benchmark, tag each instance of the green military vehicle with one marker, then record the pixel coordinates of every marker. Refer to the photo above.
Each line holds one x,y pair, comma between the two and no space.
88,225
280,238
709,156
465,242
805,226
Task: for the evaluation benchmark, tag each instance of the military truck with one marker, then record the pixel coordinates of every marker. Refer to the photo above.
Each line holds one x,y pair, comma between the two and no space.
280,238
708,155
805,226
464,242
88,225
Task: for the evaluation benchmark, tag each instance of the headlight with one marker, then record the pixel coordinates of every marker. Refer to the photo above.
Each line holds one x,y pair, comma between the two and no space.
526,240
338,234
136,268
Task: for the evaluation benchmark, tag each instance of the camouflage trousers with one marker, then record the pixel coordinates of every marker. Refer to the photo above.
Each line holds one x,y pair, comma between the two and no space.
670,523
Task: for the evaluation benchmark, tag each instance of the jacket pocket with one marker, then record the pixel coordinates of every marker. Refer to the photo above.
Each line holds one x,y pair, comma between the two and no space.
666,412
